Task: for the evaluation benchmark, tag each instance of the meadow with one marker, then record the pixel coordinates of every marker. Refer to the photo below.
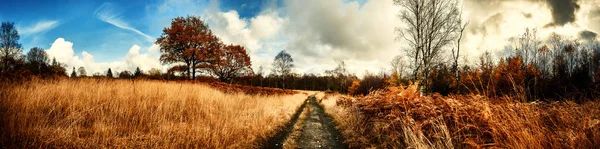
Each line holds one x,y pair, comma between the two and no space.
109,113
398,117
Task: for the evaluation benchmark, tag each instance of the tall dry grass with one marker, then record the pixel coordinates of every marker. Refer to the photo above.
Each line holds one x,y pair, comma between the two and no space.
89,113
400,118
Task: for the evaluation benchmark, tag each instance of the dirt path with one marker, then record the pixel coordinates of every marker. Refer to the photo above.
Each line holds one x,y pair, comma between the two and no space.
318,130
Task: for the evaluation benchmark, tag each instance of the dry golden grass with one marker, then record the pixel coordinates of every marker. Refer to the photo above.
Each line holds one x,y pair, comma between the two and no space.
89,113
348,121
400,118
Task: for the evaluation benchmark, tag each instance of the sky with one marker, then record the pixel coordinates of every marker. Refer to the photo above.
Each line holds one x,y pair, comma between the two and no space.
318,34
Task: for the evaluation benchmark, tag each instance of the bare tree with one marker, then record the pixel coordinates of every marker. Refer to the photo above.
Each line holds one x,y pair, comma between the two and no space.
431,26
398,65
456,54
282,66
82,72
10,49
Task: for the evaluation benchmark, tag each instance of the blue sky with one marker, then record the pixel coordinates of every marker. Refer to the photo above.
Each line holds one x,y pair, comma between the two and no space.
78,22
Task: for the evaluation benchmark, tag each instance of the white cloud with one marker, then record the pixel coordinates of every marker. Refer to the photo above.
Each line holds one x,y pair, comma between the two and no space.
260,35
108,13
332,31
63,51
321,33
266,26
145,61
41,26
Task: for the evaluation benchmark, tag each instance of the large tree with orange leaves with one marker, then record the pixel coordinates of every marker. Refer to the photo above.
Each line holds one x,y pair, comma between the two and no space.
188,44
230,62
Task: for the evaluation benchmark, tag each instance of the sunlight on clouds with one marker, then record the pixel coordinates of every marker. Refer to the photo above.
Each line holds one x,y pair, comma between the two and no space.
317,39
493,23
258,35
63,51
335,31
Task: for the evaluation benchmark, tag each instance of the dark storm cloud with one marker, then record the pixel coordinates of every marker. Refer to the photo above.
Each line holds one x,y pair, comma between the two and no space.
563,11
588,35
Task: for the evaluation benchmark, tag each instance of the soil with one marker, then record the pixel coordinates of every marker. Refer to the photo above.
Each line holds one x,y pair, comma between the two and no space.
318,130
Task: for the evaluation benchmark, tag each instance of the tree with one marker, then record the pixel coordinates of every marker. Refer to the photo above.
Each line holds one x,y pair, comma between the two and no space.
353,89
54,63
137,72
398,65
431,26
37,58
58,68
282,66
10,49
73,73
189,44
82,72
125,74
97,74
260,74
232,61
456,54
109,73
154,73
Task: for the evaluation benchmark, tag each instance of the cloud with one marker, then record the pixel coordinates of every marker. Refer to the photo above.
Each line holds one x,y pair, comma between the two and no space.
39,27
63,51
588,35
331,32
260,35
335,30
107,13
319,34
494,22
145,61
563,11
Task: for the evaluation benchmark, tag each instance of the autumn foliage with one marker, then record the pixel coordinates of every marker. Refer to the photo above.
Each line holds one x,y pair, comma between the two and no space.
353,90
399,117
250,90
190,46
231,62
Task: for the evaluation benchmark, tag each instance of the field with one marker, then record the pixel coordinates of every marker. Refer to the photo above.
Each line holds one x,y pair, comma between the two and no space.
398,117
99,113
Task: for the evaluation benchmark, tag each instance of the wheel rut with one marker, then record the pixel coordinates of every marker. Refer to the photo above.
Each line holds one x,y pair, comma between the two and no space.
317,129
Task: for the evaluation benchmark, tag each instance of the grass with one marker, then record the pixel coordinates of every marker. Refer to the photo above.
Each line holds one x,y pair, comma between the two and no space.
398,117
90,113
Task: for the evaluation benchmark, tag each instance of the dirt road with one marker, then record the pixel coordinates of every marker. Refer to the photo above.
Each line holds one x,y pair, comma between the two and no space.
317,130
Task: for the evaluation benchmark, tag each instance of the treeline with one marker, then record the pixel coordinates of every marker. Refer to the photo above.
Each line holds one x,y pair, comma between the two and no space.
557,69
16,66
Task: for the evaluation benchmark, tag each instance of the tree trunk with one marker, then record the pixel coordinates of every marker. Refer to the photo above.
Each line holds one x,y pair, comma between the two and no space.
189,72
